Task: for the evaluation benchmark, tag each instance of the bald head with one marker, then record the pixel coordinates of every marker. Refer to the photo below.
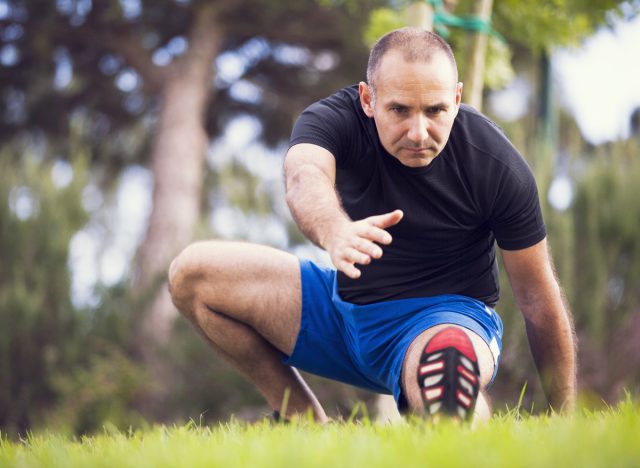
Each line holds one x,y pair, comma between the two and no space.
415,45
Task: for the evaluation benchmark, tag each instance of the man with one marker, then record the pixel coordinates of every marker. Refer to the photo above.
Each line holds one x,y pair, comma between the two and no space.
407,191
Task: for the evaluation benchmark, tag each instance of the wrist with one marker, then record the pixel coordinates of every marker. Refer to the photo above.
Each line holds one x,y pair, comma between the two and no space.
330,228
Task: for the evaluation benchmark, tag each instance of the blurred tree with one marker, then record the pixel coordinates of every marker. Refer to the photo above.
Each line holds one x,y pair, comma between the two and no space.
607,269
596,250
531,29
141,78
39,328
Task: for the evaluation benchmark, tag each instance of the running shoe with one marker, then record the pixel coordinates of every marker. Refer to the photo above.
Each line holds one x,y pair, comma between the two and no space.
448,375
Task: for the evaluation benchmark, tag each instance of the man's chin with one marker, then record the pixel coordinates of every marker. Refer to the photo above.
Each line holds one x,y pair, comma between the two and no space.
412,158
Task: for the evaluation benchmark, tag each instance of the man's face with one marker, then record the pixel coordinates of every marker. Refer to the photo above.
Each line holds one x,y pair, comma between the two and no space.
415,106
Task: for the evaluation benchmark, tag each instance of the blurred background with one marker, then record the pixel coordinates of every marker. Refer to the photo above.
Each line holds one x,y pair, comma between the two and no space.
129,128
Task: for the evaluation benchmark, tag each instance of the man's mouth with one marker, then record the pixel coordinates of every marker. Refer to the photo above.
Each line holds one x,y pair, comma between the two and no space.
417,150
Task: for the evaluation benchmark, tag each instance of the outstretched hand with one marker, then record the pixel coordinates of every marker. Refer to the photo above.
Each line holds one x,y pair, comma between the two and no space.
354,242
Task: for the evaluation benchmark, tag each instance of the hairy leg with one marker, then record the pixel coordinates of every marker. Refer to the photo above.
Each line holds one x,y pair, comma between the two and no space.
410,387
246,301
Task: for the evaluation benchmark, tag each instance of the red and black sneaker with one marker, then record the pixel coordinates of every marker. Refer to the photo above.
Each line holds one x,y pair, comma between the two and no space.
448,375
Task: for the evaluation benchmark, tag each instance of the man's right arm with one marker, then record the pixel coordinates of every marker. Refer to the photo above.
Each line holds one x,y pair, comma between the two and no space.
310,173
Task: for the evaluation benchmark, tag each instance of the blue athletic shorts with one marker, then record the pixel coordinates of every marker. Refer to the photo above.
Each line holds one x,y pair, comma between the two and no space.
365,345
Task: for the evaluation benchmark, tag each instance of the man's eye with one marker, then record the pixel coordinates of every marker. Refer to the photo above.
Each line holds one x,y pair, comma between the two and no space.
399,110
435,110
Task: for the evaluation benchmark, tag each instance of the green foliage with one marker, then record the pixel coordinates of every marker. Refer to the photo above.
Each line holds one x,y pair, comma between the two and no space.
606,438
498,70
382,21
37,321
540,25
607,214
537,26
596,250
71,58
241,189
98,392
60,367
606,277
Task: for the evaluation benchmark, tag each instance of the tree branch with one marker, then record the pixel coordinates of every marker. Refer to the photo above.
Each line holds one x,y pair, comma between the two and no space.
137,57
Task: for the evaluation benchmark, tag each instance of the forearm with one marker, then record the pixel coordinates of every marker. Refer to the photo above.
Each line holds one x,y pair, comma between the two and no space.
550,331
310,175
313,202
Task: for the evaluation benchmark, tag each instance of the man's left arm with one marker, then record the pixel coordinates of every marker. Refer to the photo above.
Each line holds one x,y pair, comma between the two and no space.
547,320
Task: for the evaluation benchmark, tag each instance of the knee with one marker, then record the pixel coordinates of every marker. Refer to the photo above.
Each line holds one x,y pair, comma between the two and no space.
183,279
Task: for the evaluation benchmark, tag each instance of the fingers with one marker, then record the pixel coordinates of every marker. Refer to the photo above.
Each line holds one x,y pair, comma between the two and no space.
373,227
359,242
349,270
350,258
355,256
368,247
385,220
370,234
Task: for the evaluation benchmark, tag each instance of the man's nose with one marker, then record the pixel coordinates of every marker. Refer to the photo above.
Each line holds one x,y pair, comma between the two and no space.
418,129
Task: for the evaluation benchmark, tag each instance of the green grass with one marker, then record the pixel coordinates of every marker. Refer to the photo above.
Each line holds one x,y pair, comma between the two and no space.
603,438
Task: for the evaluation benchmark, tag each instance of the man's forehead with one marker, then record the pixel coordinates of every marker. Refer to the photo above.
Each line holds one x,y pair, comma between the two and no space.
415,84
397,74
426,86
416,97
438,64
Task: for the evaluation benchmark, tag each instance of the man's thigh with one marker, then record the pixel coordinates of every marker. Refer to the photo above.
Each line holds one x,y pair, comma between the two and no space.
250,283
323,346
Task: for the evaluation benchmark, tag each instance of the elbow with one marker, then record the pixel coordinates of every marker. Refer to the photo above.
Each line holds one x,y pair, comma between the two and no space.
292,186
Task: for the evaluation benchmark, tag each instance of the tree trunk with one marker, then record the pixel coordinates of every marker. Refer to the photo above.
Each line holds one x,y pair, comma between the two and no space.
420,15
177,164
474,79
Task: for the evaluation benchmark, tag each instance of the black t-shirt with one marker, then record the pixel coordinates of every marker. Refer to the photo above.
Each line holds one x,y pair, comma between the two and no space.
477,191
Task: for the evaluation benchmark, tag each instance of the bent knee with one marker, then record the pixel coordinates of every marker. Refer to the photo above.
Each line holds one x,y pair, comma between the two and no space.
183,278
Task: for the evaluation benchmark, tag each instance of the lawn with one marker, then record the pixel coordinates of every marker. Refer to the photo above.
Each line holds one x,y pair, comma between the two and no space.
608,438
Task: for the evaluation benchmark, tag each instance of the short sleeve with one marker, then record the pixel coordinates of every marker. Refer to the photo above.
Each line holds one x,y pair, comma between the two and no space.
516,219
326,123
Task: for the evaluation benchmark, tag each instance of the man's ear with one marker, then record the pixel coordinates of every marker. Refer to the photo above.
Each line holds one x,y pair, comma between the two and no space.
366,98
459,87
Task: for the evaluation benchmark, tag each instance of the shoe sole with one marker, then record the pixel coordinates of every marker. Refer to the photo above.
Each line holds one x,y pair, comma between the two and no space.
448,375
